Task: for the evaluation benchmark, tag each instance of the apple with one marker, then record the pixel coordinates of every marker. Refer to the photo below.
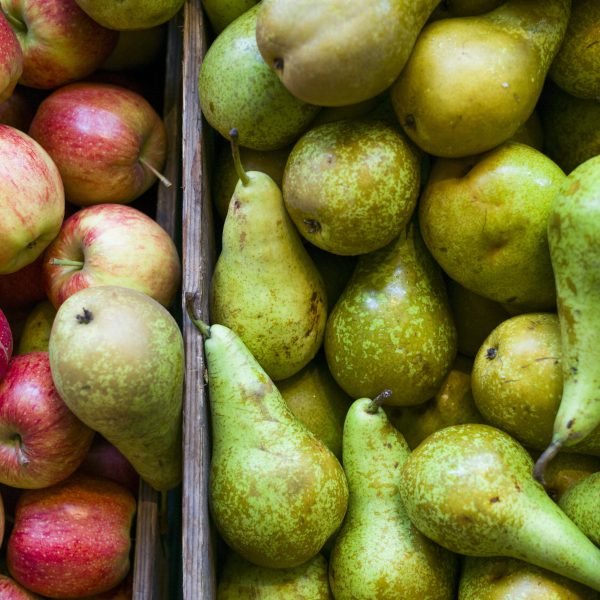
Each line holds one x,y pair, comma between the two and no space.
108,141
25,287
112,244
6,344
32,201
72,539
59,41
41,440
11,590
11,59
124,591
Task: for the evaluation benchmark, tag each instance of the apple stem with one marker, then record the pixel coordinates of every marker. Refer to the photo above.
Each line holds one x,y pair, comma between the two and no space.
374,405
155,172
15,23
67,262
203,327
237,161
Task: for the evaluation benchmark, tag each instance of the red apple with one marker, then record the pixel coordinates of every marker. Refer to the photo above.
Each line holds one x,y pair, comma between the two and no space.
112,244
11,590
41,440
124,591
6,344
32,201
11,59
72,539
60,42
25,287
108,142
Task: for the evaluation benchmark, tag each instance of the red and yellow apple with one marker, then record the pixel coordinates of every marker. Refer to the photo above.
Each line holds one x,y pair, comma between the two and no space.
11,59
6,344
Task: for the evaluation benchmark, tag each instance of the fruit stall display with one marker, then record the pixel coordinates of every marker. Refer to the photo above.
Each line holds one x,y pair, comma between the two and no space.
391,239
92,363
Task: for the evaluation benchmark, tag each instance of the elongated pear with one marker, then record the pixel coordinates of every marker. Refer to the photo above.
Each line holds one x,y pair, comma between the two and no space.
470,488
378,552
573,239
265,286
276,492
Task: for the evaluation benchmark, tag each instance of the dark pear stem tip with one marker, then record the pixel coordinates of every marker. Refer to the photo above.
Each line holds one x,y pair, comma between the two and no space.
191,300
375,404
237,161
545,457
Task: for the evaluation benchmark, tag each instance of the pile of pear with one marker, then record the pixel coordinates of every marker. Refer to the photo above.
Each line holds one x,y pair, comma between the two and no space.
401,341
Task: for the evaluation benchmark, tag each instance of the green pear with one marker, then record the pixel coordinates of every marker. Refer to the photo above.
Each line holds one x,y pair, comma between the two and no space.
580,503
318,401
333,52
392,325
566,470
351,186
571,127
237,89
131,14
573,233
378,552
452,404
221,13
498,60
504,578
576,67
240,580
117,357
470,489
264,285
276,492
484,220
35,336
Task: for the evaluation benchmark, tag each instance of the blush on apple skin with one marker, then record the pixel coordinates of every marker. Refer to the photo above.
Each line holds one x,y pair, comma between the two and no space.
11,590
41,440
72,539
6,344
102,138
11,59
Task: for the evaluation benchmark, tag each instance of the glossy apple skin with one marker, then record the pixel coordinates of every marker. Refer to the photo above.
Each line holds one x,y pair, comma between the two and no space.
32,201
119,245
11,59
11,590
96,133
72,539
6,344
41,440
59,41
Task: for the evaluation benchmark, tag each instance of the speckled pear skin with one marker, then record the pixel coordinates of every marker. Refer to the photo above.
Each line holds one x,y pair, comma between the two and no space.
378,552
392,326
131,14
276,492
470,488
118,365
502,578
265,286
221,13
580,502
241,580
237,89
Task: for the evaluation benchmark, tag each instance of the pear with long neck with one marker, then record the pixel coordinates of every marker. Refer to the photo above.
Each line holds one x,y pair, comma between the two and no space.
378,552
276,492
574,243
265,286
470,488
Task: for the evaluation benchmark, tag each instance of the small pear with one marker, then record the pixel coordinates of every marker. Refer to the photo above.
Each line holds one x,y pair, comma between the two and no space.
35,336
276,492
378,552
580,503
470,488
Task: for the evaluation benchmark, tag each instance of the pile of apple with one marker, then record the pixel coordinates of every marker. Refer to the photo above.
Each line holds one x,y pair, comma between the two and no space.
82,145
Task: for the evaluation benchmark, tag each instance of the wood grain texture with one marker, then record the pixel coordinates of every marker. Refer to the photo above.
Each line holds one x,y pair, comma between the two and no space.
198,577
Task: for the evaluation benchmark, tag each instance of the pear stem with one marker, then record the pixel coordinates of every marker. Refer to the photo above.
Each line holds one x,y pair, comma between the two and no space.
155,172
545,457
67,262
237,161
376,403
203,327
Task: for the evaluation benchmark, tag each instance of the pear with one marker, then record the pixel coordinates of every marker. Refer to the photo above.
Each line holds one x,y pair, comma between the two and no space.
566,470
576,67
392,325
265,286
470,489
35,336
351,186
452,404
276,492
580,503
131,14
378,552
504,578
237,89
221,13
573,233
116,357
484,220
333,52
499,61
241,580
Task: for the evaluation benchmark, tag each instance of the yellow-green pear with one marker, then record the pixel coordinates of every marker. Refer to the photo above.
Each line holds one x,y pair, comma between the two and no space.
35,336
498,63
580,503
221,13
